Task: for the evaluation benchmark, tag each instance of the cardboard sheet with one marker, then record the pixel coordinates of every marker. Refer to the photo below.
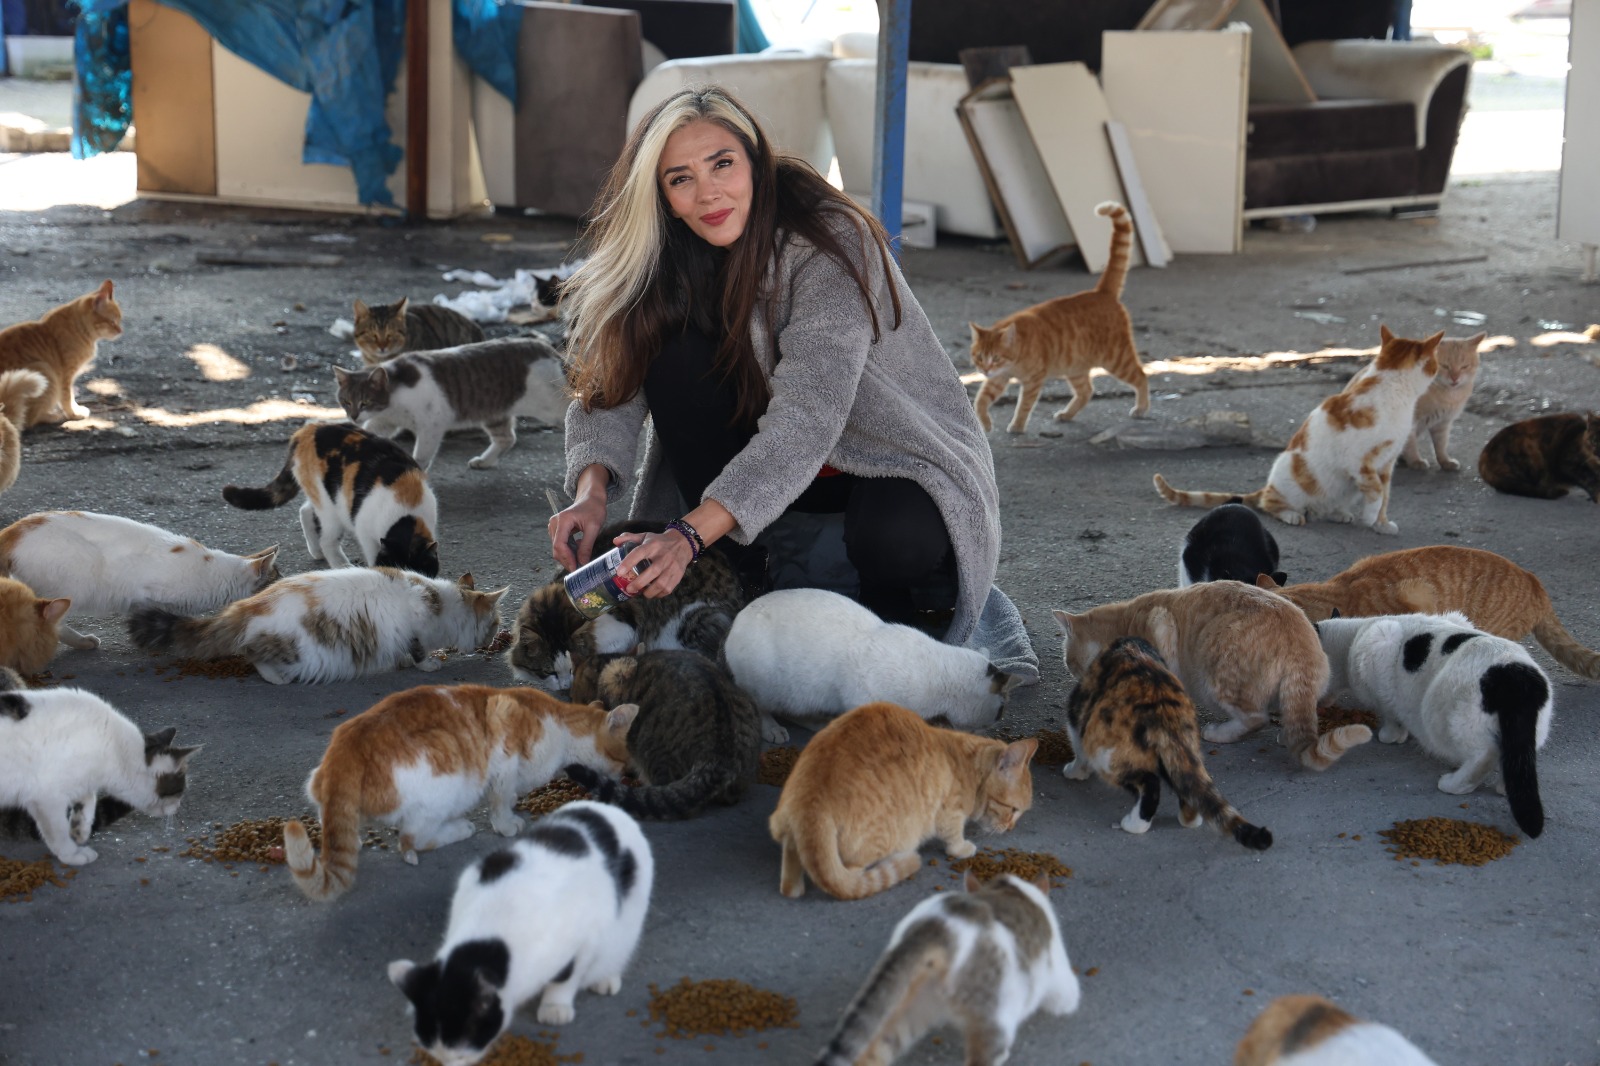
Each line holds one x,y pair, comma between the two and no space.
1014,174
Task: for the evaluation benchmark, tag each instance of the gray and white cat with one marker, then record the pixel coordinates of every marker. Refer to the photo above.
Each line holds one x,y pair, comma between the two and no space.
983,961
488,384
558,910
1477,701
810,653
383,331
61,748
696,739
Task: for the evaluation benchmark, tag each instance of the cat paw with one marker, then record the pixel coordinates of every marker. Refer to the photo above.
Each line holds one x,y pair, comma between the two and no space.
1132,823
508,827
1076,770
1454,786
772,732
609,987
1393,734
80,411
1139,412
1289,518
480,463
556,1013
1223,732
1388,529
1419,463
1451,465
428,664
1191,819
961,849
79,856
410,857
271,674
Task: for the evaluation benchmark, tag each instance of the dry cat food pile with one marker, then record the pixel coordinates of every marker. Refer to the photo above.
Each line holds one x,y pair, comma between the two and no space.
1334,717
511,1050
1448,841
502,641
555,795
18,879
1055,748
217,669
260,841
1025,864
719,1007
776,764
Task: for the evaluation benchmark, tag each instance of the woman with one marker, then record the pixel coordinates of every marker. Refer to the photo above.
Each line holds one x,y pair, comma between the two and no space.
755,315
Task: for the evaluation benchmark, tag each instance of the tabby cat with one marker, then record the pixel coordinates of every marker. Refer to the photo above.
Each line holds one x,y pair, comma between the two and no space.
30,626
61,345
876,783
1310,1031
1131,722
1544,457
984,960
1444,401
1339,462
386,330
332,625
1495,594
1236,649
1228,544
1065,337
430,393
422,759
696,740
17,389
358,483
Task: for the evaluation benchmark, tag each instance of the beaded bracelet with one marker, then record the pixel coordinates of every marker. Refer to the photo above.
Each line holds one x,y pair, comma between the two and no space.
690,534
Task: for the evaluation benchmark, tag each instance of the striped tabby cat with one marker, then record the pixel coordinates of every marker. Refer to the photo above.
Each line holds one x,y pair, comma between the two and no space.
386,330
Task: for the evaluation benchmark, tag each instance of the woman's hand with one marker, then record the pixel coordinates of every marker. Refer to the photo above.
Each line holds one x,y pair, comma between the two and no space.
586,515
654,568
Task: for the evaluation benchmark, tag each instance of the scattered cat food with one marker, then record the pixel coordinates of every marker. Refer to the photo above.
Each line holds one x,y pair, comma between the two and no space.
260,841
776,764
216,669
1091,971
1027,865
1448,841
555,795
18,879
1055,748
1333,717
719,1007
502,641
510,1050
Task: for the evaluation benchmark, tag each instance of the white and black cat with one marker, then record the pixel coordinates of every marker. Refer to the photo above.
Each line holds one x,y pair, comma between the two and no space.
488,384
558,910
1228,544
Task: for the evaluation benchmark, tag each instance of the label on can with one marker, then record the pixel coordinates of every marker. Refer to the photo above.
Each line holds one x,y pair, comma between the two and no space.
594,588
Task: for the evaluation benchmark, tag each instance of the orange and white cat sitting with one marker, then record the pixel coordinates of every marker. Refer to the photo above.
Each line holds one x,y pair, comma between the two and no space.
1066,337
422,759
61,345
1338,464
1443,403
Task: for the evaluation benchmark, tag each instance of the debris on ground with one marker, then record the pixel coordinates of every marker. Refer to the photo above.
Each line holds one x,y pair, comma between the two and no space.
1448,841
1027,865
719,1007
554,796
776,764
19,879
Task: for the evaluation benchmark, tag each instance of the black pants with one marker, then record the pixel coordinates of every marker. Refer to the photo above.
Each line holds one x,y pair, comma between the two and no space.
894,535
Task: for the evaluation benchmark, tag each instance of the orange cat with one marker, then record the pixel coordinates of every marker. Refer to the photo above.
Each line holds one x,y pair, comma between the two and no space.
1496,595
28,627
1236,649
1064,337
878,781
60,346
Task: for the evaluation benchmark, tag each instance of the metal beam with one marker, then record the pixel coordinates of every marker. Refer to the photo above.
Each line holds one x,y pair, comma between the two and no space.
889,152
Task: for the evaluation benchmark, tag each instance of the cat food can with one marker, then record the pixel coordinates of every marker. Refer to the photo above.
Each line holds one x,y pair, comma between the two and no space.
594,587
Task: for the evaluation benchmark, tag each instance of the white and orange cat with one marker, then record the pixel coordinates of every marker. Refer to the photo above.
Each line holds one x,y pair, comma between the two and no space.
1338,464
1066,337
1442,404
1310,1031
60,346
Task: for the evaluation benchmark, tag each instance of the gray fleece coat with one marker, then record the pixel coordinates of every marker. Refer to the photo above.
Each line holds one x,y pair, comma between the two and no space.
895,408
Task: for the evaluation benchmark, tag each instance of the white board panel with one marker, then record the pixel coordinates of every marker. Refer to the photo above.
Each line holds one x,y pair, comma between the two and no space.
1146,226
1015,175
1579,213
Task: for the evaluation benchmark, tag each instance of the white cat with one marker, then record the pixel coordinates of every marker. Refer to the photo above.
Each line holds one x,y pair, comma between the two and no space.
61,748
107,564
1477,701
332,625
488,384
558,910
984,962
1310,1031
810,653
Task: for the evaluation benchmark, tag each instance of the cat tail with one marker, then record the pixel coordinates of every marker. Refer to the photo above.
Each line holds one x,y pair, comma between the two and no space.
1187,774
1116,271
1565,649
817,841
684,798
331,875
17,387
1515,693
1205,499
157,629
279,491
923,955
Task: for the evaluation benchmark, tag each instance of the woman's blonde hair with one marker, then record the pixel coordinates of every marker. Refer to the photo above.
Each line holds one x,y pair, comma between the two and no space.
646,272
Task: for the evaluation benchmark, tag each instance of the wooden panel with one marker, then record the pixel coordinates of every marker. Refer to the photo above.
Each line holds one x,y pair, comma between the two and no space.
1014,174
1275,77
172,101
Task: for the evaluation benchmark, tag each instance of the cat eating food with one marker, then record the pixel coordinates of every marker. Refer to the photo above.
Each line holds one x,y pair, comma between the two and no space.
1544,457
30,627
384,331
1339,463
358,483
1228,544
1065,337
876,783
559,910
983,960
1310,1031
60,346
422,759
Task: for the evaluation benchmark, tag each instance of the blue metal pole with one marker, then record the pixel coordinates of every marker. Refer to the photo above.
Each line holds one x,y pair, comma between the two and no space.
889,154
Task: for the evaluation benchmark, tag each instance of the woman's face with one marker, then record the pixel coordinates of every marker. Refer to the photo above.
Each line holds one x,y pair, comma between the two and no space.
705,175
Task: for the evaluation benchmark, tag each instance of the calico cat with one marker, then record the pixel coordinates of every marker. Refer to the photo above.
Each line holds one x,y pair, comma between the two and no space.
60,346
876,783
61,748
1236,649
1474,700
1131,722
106,564
332,625
552,637
1544,457
558,910
430,393
1310,1031
358,483
1495,594
17,389
1065,337
1444,401
696,740
984,960
1228,544
383,331
30,626
1339,462
809,653
422,759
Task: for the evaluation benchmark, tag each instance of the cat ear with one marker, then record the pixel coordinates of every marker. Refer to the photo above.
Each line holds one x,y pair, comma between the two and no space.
1433,341
1042,883
971,883
496,595
341,375
621,718
1335,613
181,755
380,377
103,293
400,308
977,331
1016,756
361,312
155,742
1383,332
1063,621
1478,340
53,611
465,581
399,969
1268,581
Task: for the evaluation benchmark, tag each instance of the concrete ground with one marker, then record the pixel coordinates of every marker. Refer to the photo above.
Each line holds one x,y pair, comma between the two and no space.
1181,936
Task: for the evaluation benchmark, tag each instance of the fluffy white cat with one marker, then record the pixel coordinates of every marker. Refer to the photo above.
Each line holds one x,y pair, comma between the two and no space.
107,564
